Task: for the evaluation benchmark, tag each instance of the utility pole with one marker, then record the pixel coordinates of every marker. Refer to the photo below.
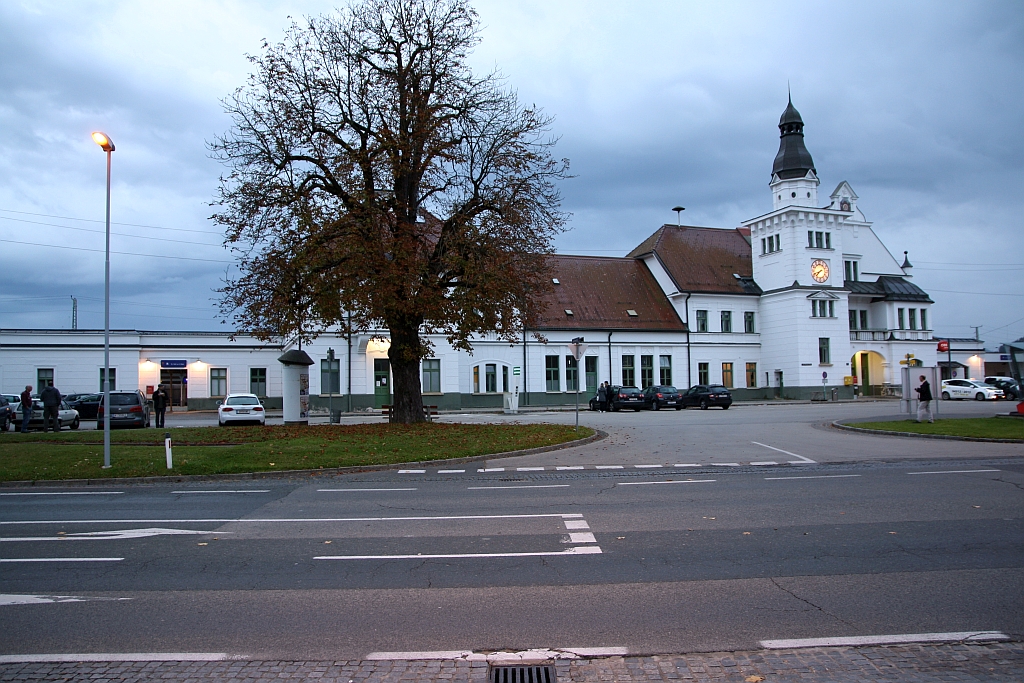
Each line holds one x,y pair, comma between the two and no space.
74,313
976,328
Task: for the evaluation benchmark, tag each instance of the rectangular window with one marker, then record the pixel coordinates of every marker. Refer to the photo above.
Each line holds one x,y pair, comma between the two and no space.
590,368
814,309
703,375
849,269
113,379
330,377
258,382
856,275
899,319
913,318
218,381
863,320
628,372
476,379
831,309
504,378
726,321
824,354
751,375
702,321
778,243
924,318
491,378
810,239
646,371
665,375
748,322
727,375
819,240
431,376
572,374
853,319
828,240
44,378
764,248
551,373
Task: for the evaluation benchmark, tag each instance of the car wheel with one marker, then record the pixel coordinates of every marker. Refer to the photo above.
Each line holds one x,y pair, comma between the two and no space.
6,425
75,424
703,404
979,396
945,395
220,423
679,407
655,406
725,407
60,425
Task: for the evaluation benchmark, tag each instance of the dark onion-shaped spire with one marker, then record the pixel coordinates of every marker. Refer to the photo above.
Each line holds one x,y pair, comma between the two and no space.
793,159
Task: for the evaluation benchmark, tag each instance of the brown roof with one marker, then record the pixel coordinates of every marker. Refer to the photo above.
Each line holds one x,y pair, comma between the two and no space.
600,290
703,259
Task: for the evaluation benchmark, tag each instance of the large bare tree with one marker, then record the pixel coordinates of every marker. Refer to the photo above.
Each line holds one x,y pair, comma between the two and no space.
373,175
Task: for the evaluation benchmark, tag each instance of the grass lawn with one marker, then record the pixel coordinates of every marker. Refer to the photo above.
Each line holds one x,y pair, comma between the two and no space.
232,450
983,427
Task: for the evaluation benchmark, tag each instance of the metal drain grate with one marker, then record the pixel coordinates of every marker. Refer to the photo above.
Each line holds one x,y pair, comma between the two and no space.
522,674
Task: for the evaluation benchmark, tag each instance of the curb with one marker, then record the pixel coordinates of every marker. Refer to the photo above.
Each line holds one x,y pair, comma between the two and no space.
598,435
947,437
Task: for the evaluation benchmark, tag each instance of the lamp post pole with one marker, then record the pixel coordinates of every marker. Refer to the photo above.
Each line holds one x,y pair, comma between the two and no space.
107,145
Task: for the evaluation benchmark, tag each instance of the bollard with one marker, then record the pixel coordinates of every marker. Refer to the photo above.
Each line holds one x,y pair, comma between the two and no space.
167,449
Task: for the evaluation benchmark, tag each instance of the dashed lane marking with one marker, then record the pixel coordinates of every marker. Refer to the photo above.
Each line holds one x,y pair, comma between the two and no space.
582,537
575,550
576,524
358,490
640,467
821,476
451,471
668,481
608,467
569,467
289,520
527,486
853,641
64,559
66,493
114,535
226,491
529,469
954,472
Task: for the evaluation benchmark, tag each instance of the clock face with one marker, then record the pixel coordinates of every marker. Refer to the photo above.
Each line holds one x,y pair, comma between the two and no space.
819,270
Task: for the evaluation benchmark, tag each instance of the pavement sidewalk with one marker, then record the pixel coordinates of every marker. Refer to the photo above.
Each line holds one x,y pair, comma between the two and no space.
962,663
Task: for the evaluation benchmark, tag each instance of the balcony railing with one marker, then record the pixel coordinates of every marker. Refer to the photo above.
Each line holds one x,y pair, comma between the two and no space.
883,335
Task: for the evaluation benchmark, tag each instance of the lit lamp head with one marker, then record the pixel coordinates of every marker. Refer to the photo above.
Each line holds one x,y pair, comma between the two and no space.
105,143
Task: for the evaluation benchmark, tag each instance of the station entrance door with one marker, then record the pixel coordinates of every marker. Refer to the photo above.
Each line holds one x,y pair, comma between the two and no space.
177,386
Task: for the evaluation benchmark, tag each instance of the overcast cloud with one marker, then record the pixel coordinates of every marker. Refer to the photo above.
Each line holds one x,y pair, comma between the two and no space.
920,106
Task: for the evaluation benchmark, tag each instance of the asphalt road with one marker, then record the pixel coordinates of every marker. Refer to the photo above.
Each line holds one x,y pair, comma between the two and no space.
697,549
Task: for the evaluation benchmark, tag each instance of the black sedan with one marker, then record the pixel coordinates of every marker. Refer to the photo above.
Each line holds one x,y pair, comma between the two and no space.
86,404
622,397
706,395
662,396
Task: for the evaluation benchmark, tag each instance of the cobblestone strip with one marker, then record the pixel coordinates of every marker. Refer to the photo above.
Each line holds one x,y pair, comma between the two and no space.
966,663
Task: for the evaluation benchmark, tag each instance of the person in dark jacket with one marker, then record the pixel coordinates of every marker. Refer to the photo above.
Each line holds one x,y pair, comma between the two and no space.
924,400
160,401
602,396
26,408
51,399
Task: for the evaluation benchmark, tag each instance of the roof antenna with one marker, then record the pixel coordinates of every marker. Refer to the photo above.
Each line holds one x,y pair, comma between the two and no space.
679,210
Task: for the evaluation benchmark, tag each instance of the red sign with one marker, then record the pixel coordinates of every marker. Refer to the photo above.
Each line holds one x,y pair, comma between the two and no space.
944,345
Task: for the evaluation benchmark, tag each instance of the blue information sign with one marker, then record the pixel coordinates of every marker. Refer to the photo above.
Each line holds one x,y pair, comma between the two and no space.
173,363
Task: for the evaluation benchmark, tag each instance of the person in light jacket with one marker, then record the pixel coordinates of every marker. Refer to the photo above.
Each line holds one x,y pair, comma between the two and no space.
602,396
924,400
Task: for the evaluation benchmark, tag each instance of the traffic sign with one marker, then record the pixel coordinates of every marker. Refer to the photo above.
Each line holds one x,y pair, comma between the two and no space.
943,345
515,369
824,375
577,351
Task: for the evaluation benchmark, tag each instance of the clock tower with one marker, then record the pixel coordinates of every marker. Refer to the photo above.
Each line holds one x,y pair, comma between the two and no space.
794,178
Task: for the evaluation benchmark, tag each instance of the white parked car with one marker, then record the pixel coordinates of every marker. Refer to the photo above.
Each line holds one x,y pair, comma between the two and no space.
969,388
66,416
241,408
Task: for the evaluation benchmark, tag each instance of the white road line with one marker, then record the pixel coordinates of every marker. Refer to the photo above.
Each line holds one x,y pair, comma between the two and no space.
66,493
121,657
576,550
412,471
572,467
357,490
954,472
954,637
528,486
538,655
801,459
65,559
765,462
608,467
289,520
529,469
724,464
822,476
670,481
576,524
491,469
686,464
14,599
640,467
126,534
582,537
226,491
451,471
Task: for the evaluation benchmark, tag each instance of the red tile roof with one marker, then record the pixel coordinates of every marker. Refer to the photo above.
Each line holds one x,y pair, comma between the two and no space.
703,259
600,290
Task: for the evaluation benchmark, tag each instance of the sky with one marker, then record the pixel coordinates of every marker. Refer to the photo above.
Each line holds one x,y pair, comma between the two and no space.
918,105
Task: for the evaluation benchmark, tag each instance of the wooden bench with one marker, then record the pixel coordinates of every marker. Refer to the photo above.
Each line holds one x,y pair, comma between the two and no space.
429,412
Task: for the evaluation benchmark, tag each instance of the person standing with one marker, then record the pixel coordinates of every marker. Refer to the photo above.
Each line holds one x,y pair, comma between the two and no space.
51,399
26,408
602,396
924,400
608,397
160,401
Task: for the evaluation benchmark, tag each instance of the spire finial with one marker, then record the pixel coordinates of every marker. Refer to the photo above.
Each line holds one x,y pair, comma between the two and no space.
789,91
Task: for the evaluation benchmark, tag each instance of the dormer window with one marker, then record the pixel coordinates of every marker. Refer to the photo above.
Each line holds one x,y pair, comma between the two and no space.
555,281
568,311
631,313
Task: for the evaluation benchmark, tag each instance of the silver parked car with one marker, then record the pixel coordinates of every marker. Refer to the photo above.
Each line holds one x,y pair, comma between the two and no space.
66,416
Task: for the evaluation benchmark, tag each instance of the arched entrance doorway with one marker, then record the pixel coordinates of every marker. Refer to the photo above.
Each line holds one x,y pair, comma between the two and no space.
869,369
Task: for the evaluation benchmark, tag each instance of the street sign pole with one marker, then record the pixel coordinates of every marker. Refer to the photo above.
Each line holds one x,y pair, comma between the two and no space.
824,390
577,348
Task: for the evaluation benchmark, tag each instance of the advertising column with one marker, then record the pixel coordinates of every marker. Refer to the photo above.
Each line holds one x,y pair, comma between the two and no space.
295,386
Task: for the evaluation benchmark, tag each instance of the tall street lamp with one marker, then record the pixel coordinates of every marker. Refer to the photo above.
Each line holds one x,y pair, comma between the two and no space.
107,145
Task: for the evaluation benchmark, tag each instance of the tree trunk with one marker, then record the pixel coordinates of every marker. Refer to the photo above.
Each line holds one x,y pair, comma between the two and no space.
404,354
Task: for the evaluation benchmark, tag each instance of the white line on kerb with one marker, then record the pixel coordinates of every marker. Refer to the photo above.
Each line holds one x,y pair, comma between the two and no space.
641,467
121,657
412,471
885,640
65,559
570,467
579,550
954,472
289,520
765,462
238,491
528,486
357,490
66,493
822,476
678,481
539,655
491,469
608,467
687,464
451,471
529,469
802,459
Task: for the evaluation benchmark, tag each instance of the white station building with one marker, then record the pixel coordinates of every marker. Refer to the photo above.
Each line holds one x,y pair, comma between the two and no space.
803,299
